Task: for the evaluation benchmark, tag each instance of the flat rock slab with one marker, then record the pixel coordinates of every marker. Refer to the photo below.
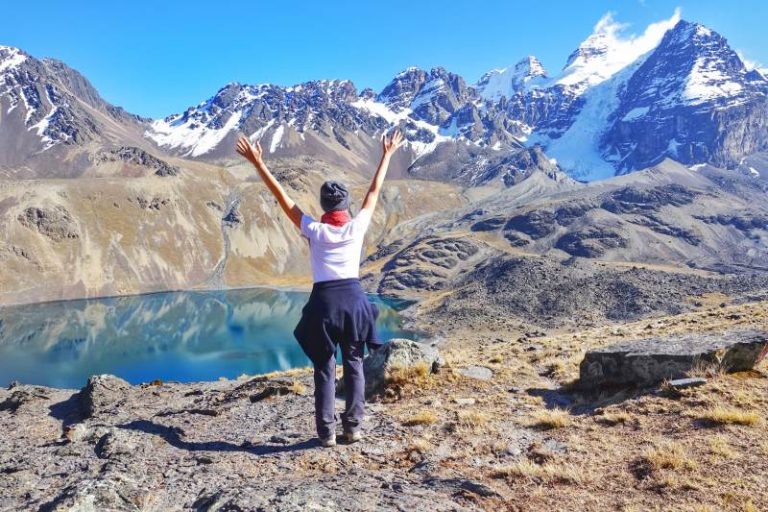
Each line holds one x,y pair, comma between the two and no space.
690,382
650,361
477,372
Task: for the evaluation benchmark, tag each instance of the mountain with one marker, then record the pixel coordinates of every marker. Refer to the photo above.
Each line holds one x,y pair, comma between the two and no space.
693,100
621,103
482,173
527,74
52,120
703,219
677,91
452,134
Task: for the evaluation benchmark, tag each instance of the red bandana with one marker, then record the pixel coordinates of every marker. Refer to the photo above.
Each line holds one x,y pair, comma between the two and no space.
335,218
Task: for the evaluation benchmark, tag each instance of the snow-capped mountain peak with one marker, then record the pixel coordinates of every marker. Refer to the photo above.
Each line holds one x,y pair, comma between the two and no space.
10,58
607,51
527,74
717,72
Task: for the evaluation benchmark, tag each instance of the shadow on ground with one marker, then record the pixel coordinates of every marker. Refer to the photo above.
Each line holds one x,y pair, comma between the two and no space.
579,401
172,435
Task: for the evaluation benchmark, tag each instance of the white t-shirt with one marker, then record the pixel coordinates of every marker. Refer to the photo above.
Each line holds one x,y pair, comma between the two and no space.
334,251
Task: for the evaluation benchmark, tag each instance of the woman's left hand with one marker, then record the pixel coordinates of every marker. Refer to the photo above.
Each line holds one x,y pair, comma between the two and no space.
391,143
248,151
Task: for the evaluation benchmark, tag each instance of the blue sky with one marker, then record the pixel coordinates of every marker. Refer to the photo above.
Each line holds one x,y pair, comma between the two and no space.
157,58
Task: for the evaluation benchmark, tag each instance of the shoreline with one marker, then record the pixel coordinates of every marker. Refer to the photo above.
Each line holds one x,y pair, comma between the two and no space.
284,288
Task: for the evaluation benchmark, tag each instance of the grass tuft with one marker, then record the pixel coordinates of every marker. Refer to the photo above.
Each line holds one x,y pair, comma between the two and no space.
543,474
614,418
551,419
668,455
298,388
720,415
421,418
719,446
472,419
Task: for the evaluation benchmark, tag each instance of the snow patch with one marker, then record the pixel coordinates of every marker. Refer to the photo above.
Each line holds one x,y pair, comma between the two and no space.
577,150
706,82
635,113
276,138
190,134
258,134
10,58
394,118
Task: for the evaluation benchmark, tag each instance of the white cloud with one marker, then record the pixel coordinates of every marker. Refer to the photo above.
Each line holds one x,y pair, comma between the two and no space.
614,49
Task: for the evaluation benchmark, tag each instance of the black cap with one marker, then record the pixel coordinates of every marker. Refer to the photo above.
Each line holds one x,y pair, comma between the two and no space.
334,196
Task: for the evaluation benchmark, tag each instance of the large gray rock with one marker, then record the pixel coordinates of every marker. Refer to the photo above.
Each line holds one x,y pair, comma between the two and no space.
398,353
102,394
649,361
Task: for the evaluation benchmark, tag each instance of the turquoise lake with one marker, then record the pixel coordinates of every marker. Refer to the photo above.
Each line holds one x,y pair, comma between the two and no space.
174,336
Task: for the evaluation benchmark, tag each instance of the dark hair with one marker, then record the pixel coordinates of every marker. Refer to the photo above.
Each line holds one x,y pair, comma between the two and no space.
334,196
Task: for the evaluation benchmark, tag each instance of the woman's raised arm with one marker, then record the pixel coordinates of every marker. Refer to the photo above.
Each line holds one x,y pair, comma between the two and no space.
389,145
253,155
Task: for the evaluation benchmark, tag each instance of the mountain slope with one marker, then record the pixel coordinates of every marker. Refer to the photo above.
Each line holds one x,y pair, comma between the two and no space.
52,120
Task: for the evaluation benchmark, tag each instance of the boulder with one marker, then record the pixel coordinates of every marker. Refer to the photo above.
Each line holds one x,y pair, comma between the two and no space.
102,393
398,353
650,361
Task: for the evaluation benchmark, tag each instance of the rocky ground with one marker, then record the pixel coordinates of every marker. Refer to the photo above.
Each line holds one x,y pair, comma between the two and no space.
497,427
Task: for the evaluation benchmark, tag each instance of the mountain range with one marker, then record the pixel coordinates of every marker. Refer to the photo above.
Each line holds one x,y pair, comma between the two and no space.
676,91
650,148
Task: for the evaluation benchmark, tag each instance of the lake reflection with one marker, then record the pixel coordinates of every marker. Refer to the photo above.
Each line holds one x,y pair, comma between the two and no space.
182,336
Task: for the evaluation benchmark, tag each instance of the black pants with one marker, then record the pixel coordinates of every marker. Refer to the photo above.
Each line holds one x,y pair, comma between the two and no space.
338,314
354,390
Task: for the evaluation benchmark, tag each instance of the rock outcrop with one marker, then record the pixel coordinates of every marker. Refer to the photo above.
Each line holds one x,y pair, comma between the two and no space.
56,223
650,361
139,157
101,393
398,353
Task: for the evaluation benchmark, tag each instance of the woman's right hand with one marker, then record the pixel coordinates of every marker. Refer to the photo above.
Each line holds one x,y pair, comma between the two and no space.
248,151
394,141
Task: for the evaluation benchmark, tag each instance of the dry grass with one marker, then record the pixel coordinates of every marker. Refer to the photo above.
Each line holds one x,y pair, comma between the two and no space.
402,375
298,388
472,420
719,446
749,506
615,418
551,419
421,418
419,445
711,371
404,381
543,474
668,455
720,415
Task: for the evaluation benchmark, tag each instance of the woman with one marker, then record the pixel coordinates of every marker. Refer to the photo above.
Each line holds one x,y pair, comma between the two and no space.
338,312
